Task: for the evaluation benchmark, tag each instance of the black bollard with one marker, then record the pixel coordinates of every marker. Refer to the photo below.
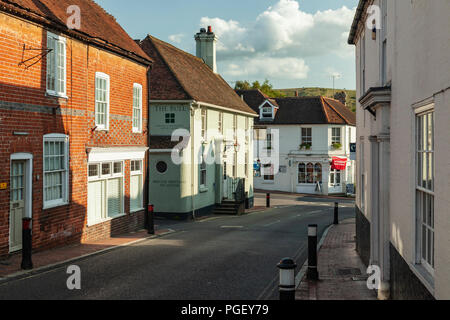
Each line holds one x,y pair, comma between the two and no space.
268,200
336,213
312,273
150,221
287,279
27,264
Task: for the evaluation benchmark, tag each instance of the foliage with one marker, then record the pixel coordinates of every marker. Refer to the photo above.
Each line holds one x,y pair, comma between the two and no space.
266,87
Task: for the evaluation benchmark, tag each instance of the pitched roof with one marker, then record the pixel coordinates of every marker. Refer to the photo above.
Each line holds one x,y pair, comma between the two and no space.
97,26
302,110
178,75
255,97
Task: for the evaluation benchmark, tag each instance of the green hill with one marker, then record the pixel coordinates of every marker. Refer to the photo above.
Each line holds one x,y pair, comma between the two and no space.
308,92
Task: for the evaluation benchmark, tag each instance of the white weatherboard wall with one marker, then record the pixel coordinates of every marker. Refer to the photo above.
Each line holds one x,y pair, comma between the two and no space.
321,152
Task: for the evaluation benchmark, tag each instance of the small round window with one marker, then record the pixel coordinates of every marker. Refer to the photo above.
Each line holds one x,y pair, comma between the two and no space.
161,166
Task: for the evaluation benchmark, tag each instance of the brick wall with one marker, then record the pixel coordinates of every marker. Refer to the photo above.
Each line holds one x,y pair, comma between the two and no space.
25,107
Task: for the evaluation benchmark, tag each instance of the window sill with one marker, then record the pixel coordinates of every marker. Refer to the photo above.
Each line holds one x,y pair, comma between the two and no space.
137,210
268,182
106,220
203,189
56,95
55,205
136,131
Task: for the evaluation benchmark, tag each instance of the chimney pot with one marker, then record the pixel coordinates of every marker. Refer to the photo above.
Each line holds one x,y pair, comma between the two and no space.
209,29
296,93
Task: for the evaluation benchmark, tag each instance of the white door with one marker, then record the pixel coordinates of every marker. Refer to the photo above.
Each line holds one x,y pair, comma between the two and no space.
336,177
17,205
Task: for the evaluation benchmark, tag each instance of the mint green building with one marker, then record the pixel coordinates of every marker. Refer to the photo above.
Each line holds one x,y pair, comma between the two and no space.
201,147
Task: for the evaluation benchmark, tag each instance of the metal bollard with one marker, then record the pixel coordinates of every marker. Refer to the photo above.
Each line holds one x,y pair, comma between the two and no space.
268,200
336,213
312,273
287,279
150,222
27,264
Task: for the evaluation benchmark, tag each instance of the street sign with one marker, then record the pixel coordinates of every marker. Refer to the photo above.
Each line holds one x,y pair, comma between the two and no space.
352,151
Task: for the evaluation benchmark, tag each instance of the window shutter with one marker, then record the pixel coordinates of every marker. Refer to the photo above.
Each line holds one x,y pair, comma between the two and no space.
114,197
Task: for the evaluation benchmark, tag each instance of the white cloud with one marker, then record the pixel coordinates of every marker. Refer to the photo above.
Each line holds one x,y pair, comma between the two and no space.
176,38
268,67
282,36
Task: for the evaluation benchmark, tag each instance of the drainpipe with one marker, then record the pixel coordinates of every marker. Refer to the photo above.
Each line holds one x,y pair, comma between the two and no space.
148,222
192,132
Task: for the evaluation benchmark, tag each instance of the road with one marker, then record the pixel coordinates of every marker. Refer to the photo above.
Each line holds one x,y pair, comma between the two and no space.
220,257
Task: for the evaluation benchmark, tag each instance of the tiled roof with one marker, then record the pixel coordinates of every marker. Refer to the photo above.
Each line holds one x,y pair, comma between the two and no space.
302,110
255,97
97,26
178,75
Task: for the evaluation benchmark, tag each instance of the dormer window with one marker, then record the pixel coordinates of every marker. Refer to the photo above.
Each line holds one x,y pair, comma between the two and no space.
266,113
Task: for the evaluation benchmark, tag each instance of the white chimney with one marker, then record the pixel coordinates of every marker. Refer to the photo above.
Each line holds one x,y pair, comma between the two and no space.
206,47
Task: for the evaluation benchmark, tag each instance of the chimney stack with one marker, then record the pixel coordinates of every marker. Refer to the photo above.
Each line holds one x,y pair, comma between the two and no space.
342,97
206,47
296,93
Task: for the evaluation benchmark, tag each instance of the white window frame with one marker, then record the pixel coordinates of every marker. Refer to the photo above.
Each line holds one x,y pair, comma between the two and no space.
64,200
106,177
363,63
139,172
139,128
103,76
333,136
220,123
62,40
306,136
264,114
203,173
422,191
204,123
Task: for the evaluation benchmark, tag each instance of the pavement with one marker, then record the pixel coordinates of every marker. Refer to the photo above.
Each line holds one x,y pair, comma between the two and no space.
342,275
44,260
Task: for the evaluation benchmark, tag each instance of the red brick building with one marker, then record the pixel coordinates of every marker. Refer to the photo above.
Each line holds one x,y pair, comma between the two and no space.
73,124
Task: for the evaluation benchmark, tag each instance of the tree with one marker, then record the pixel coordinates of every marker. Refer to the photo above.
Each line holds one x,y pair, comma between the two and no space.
266,87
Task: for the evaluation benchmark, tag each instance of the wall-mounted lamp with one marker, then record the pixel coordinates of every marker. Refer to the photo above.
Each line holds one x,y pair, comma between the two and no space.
93,129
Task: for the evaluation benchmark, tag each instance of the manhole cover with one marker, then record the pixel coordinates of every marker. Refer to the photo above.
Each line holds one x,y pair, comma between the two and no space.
349,272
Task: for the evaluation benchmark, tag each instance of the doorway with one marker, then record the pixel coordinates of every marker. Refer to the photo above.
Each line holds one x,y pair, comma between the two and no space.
20,197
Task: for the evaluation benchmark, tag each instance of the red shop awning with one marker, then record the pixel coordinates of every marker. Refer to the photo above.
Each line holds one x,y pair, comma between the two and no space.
338,163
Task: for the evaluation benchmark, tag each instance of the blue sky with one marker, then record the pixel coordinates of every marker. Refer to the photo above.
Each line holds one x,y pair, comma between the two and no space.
292,43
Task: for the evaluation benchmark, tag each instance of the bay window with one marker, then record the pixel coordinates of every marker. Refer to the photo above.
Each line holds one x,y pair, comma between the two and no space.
105,191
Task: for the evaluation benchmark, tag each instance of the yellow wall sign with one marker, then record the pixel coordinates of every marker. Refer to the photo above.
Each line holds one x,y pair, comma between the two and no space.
3,186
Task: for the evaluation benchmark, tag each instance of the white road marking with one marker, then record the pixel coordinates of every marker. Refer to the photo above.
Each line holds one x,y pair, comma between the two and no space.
231,227
272,223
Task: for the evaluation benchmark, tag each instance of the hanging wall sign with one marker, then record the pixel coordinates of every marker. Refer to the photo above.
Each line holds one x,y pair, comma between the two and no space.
338,163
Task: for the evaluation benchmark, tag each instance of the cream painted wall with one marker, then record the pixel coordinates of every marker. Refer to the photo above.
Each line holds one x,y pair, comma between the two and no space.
419,67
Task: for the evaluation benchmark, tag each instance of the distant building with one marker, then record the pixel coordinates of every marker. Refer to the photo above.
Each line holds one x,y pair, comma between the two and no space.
311,135
214,167
73,136
403,153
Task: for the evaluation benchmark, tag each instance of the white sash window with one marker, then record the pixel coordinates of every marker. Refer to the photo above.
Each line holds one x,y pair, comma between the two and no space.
137,108
56,65
56,173
101,101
